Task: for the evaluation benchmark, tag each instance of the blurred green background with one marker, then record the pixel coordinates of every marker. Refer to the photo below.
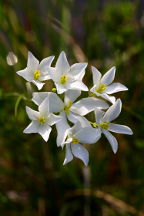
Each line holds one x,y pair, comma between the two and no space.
33,181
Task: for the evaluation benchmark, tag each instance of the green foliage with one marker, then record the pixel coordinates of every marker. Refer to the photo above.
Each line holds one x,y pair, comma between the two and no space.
33,180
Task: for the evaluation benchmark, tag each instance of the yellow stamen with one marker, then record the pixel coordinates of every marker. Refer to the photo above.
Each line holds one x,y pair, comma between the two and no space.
67,107
42,120
105,125
94,125
75,140
54,90
101,88
36,74
63,79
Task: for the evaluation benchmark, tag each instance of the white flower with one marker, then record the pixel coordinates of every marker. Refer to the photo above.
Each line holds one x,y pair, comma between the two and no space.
103,124
68,109
102,85
41,120
76,136
36,72
68,77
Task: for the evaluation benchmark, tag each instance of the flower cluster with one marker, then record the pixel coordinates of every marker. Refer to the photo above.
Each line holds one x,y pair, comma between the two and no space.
61,107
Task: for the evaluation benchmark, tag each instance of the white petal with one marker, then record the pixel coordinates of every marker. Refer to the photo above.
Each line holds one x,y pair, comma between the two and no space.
62,127
77,68
26,74
78,85
71,95
69,155
32,61
98,115
96,76
32,114
45,63
115,87
86,105
53,119
60,88
53,74
38,97
62,64
44,131
44,77
107,97
88,135
122,129
38,84
80,76
44,107
72,117
112,140
33,127
80,152
109,76
113,112
55,103
73,130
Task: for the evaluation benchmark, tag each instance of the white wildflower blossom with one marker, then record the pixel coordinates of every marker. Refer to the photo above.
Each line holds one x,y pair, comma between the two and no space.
103,86
76,136
41,120
36,72
103,124
68,77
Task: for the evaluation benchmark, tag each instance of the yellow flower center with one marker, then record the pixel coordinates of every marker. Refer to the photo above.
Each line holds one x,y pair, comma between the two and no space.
75,140
42,120
94,125
67,107
105,125
101,88
63,79
36,74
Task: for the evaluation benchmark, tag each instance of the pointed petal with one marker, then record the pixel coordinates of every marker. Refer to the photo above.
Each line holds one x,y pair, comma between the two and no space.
60,88
62,127
38,84
115,87
55,103
107,97
72,117
53,119
77,68
53,74
62,64
112,140
113,112
96,76
122,129
98,115
71,95
80,152
32,61
26,74
78,85
88,135
109,76
68,156
33,127
45,63
44,131
38,97
86,105
32,114
44,107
